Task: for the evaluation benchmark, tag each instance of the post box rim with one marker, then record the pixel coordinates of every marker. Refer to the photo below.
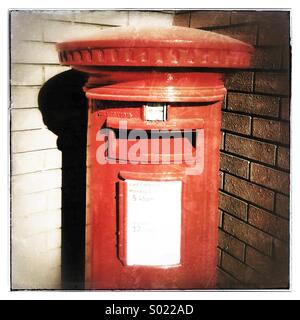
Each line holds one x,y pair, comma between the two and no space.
156,47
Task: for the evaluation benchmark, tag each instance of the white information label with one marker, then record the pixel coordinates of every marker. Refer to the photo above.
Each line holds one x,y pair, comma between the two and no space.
153,222
155,112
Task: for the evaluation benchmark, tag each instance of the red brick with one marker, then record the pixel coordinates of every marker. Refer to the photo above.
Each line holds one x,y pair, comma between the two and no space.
244,16
236,123
207,18
282,205
258,261
271,269
240,81
233,205
270,178
272,130
285,109
221,179
269,223
255,16
252,236
246,33
219,253
275,30
273,26
249,191
182,19
224,103
226,281
230,244
281,254
222,140
253,104
274,83
250,148
267,58
286,57
234,165
220,218
283,158
241,272
281,250
273,35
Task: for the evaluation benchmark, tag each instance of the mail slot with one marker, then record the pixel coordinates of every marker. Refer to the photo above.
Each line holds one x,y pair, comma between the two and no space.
155,98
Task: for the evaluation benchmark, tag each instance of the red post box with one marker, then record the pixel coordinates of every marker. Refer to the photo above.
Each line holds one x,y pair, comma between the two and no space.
155,99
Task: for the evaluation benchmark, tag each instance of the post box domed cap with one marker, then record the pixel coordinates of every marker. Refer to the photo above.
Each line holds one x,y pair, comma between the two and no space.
156,47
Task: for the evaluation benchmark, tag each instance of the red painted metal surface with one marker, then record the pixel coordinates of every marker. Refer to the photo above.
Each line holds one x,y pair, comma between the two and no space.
156,46
127,69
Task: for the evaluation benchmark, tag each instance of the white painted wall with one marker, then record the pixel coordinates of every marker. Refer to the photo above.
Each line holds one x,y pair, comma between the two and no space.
35,159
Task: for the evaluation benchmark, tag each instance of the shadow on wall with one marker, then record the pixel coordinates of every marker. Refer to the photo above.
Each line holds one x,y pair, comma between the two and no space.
64,109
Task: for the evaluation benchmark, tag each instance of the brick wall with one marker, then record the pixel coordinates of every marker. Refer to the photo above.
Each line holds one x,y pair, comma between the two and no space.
254,176
43,195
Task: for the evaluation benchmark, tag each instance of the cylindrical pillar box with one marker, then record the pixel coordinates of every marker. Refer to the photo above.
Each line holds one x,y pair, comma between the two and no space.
155,98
